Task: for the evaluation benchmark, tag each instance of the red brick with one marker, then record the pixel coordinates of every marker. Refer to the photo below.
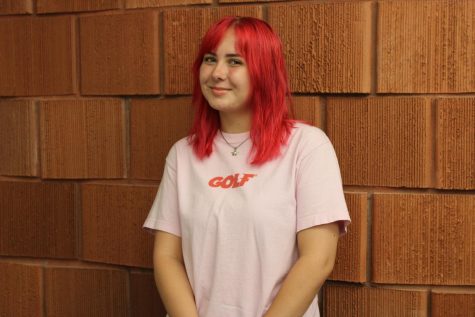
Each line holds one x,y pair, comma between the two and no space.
37,56
144,298
82,138
48,6
327,45
16,7
350,262
359,301
423,239
456,143
37,219
20,291
119,54
382,141
181,47
18,135
155,125
309,109
85,292
162,3
235,1
453,303
426,46
112,218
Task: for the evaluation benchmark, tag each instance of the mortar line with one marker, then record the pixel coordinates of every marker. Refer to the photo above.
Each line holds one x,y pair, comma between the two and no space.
369,236
265,12
161,52
44,310
323,105
77,43
126,135
78,215
128,293
38,162
374,48
434,169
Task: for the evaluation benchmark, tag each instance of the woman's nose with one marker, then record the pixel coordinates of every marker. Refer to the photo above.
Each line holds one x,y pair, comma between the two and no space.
219,72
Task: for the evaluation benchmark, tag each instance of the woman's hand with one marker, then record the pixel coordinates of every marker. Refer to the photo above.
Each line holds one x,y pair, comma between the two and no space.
317,252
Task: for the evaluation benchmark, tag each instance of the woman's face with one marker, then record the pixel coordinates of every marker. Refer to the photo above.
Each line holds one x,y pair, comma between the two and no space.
224,77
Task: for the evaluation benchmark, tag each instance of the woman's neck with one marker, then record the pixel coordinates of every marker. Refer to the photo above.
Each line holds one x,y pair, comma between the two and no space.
234,122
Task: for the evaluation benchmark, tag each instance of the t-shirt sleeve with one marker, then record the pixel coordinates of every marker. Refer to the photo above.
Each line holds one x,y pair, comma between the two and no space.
319,189
164,213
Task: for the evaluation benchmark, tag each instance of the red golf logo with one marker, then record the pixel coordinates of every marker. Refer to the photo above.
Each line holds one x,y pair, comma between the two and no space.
232,180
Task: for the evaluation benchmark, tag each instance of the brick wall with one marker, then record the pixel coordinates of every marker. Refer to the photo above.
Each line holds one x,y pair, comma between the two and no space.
94,93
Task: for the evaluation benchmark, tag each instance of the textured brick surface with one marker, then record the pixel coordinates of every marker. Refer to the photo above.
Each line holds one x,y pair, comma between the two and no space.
37,56
155,125
382,141
82,138
119,54
456,143
426,46
144,298
37,219
162,3
18,135
350,264
20,290
309,109
327,45
85,292
452,303
181,47
360,301
15,6
46,6
101,92
112,218
423,239
234,1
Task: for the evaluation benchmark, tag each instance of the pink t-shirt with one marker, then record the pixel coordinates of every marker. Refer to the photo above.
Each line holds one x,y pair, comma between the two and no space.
238,222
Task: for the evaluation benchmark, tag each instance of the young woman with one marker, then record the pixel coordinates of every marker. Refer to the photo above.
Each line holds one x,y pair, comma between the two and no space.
250,206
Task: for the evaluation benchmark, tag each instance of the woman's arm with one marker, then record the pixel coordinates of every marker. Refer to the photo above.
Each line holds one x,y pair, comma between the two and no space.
170,276
317,252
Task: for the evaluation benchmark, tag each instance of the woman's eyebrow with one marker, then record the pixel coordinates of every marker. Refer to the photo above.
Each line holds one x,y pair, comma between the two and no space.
227,55
233,55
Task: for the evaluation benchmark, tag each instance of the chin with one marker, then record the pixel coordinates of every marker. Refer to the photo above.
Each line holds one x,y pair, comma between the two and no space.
223,108
217,104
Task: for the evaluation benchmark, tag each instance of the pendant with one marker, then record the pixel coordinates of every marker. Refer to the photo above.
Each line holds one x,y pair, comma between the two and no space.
234,153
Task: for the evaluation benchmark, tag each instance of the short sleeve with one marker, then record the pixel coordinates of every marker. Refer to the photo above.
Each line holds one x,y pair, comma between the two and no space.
164,213
319,189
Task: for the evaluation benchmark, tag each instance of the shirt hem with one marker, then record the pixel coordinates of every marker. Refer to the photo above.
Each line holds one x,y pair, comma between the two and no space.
314,220
153,225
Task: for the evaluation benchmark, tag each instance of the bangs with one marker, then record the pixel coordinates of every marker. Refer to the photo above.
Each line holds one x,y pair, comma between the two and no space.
213,37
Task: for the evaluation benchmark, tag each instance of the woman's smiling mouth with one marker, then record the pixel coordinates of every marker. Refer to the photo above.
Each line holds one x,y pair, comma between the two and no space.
218,91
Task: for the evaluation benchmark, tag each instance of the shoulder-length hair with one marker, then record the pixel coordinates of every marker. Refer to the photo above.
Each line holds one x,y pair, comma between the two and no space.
269,96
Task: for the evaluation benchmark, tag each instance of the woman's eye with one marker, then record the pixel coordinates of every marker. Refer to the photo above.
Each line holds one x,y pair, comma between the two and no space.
235,62
208,59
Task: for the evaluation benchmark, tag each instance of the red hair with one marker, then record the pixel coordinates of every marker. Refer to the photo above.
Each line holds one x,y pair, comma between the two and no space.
269,93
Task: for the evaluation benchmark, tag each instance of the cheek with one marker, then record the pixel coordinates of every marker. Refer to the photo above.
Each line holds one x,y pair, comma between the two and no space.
204,74
240,78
